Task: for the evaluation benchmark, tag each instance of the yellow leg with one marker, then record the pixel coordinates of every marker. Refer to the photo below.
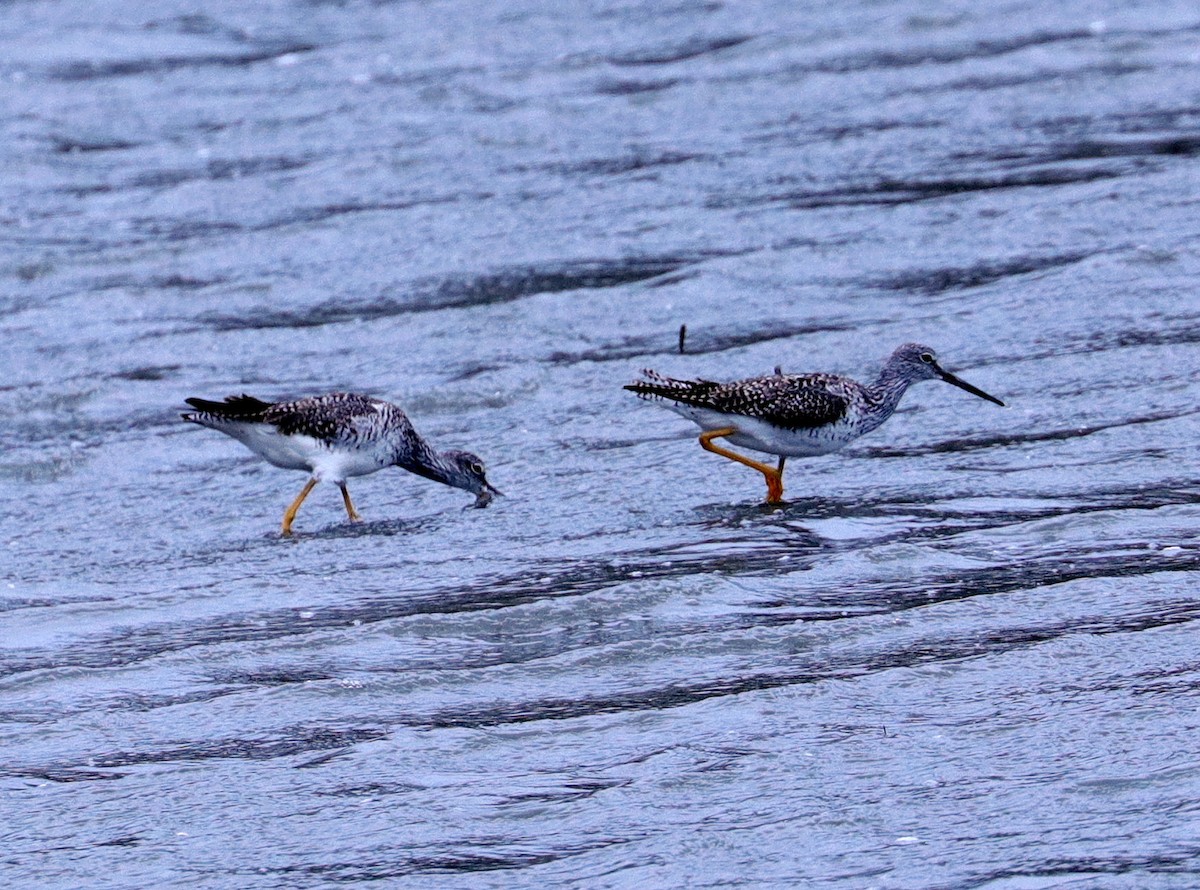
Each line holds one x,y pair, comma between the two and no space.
773,475
350,511
775,494
289,515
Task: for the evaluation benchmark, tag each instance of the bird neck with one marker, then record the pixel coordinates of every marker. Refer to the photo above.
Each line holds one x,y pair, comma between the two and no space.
424,461
883,396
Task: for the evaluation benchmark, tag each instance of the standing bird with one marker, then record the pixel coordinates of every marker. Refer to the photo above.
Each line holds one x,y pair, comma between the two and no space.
337,436
795,415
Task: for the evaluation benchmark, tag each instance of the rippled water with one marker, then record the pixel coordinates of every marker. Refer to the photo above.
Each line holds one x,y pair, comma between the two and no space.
961,656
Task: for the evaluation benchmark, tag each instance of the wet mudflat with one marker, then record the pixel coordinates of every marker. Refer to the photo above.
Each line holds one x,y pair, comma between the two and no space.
962,655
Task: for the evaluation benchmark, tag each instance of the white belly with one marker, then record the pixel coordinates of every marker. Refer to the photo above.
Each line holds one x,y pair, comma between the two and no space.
758,435
288,452
304,452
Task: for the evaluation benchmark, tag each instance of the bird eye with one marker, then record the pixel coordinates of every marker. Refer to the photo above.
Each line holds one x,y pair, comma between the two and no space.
927,358
477,469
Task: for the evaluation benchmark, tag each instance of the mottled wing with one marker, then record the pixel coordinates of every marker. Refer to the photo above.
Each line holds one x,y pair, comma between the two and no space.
788,401
336,417
785,401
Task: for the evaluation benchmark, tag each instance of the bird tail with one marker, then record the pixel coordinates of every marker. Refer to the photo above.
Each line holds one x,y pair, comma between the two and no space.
659,386
243,407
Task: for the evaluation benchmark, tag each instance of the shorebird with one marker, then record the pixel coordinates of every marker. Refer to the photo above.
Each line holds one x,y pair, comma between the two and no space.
337,436
795,415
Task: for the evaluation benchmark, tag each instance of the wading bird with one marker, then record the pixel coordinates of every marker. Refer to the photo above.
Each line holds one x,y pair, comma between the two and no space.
795,415
337,436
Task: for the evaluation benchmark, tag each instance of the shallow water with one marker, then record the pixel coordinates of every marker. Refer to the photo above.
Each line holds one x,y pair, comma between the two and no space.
961,656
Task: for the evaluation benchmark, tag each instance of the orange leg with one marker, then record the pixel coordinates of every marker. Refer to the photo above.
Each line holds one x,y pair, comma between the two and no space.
350,511
773,475
289,515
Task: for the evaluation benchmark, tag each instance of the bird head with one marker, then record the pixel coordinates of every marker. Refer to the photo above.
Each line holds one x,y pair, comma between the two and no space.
468,472
917,362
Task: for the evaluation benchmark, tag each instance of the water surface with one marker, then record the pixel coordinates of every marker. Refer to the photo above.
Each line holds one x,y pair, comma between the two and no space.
961,656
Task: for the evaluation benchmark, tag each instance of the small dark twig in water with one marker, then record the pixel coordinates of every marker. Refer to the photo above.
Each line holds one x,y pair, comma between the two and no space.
682,337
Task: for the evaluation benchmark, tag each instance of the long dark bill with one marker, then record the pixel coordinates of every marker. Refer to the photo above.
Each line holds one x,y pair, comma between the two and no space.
962,384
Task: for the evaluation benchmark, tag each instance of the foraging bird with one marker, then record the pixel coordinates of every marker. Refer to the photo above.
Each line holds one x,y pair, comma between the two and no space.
337,436
795,415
